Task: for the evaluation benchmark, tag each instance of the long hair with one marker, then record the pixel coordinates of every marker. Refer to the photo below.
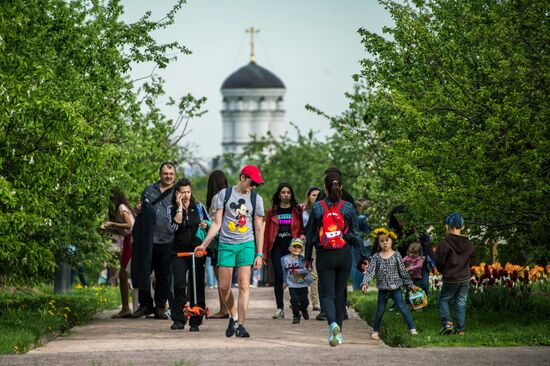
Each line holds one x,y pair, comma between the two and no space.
393,222
183,182
118,198
276,200
216,182
308,204
333,186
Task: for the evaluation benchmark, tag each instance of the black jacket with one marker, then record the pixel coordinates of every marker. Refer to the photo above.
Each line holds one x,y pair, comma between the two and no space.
454,257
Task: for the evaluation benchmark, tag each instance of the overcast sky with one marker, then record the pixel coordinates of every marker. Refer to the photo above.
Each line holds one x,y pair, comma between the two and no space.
311,45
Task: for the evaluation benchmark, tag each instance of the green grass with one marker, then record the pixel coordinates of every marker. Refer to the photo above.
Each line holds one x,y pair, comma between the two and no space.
483,328
27,316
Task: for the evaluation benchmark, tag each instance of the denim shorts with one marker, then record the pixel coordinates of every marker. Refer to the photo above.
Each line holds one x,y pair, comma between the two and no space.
239,254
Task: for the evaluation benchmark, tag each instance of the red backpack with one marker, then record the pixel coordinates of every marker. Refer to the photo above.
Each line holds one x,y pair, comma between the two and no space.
333,231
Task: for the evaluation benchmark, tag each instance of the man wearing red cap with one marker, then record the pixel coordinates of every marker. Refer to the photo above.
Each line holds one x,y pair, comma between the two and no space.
239,220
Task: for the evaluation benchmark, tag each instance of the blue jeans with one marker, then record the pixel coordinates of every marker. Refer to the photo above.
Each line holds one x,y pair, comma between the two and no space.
459,292
210,276
397,296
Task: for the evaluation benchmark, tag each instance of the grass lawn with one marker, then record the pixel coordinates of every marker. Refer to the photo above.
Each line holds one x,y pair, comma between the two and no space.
26,316
483,328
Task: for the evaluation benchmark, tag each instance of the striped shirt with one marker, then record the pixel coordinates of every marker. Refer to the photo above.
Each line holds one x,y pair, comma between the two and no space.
390,273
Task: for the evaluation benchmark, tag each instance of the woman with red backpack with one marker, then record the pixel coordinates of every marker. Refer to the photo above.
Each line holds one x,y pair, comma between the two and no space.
332,232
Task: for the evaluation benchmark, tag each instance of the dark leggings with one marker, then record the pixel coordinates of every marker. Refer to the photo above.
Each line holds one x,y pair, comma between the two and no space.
333,270
182,268
277,252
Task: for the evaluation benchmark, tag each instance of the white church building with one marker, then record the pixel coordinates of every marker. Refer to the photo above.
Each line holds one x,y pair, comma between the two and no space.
253,104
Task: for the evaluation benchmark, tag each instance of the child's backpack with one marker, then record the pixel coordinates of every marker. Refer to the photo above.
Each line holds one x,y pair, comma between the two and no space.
332,233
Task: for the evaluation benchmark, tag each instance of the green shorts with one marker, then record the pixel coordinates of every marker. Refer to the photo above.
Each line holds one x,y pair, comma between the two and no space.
240,254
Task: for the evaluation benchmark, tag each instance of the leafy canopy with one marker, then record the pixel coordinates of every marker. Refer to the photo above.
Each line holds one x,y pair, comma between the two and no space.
73,125
451,114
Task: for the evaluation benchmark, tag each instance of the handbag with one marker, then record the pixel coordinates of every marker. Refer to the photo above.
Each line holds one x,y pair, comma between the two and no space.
418,299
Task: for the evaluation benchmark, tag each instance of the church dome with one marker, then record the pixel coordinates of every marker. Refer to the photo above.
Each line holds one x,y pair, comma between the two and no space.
252,76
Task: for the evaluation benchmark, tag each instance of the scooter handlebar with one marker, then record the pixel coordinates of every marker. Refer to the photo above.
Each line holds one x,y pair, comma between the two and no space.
189,254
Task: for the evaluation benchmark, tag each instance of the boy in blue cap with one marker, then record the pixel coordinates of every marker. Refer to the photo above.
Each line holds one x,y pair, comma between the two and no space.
454,257
297,278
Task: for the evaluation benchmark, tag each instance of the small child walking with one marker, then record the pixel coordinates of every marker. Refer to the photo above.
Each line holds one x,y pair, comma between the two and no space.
453,258
413,264
297,278
388,268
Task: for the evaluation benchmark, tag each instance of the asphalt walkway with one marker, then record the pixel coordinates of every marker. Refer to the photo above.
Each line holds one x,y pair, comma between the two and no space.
108,341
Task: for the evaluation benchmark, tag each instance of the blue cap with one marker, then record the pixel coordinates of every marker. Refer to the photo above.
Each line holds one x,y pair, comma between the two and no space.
454,219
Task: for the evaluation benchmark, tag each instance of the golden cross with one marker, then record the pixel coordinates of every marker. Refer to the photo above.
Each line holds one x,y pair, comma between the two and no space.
252,30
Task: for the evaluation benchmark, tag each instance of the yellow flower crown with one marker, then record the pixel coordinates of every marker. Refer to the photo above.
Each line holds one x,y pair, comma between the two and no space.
384,231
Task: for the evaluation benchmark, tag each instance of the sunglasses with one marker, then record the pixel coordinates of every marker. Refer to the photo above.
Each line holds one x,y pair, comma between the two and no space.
252,183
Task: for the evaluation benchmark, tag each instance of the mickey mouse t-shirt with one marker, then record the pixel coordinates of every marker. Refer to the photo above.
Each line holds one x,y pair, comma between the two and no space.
237,221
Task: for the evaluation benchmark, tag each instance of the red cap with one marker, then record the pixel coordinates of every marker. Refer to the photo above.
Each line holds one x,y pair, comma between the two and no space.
254,173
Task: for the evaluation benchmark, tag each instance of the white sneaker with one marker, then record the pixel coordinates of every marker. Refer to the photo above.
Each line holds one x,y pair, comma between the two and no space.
375,336
414,332
279,314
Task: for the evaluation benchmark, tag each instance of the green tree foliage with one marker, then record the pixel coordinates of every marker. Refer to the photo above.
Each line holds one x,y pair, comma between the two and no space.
73,125
300,161
451,113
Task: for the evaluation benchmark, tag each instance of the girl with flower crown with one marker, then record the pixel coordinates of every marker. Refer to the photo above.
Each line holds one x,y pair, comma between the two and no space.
387,265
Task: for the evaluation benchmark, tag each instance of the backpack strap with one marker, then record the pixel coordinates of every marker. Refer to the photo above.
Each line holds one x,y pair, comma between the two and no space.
162,196
226,198
202,211
253,197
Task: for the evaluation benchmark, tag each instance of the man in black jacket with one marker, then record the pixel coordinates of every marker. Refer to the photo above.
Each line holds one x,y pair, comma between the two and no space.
151,250
454,257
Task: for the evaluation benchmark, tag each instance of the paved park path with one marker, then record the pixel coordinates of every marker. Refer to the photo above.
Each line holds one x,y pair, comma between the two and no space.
108,341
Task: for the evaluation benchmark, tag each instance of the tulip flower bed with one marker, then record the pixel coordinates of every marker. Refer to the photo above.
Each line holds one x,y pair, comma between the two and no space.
25,317
507,306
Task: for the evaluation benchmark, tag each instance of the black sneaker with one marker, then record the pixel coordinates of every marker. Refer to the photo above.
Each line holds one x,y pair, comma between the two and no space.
447,328
296,320
194,328
305,314
142,311
177,325
321,316
241,332
231,328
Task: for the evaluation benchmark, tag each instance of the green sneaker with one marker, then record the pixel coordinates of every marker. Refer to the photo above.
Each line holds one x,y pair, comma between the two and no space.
334,332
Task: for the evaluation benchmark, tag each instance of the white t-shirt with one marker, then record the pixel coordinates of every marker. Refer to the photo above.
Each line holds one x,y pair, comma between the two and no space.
120,219
237,221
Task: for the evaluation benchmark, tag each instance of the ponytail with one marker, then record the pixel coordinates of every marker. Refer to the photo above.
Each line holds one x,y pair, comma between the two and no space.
333,185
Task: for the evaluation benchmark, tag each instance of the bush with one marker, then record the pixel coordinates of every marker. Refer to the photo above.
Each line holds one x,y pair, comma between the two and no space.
26,316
